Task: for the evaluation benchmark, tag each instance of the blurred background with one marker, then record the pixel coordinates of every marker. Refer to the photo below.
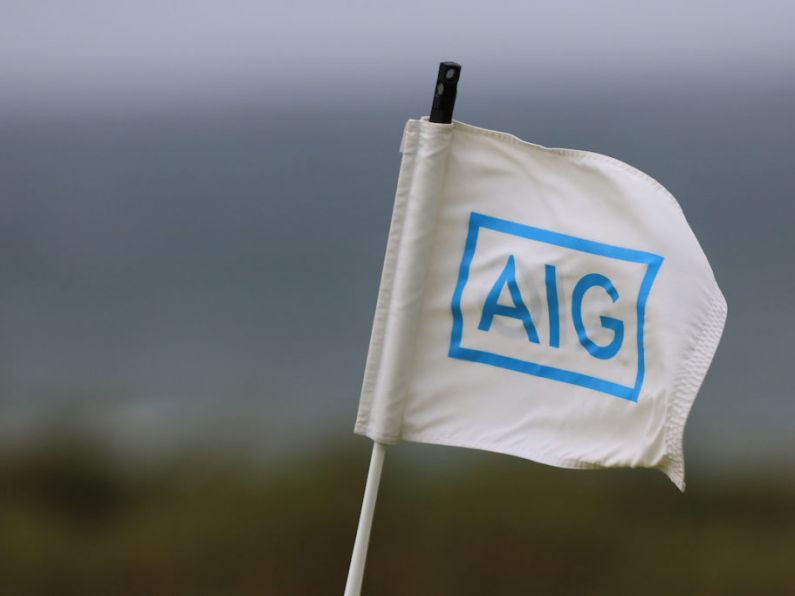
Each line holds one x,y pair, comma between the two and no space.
194,204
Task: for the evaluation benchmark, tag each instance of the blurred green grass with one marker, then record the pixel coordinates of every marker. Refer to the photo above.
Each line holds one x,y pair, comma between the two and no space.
78,520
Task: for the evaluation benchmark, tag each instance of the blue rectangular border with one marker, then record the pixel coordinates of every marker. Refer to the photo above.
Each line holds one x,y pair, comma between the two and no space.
652,262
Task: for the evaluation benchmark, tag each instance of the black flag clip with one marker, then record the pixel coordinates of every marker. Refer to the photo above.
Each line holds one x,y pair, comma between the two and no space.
445,92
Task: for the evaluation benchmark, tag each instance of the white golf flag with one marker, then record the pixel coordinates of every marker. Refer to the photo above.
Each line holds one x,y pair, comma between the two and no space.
546,303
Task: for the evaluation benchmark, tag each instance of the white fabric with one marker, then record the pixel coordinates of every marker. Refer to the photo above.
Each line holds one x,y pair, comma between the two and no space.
479,212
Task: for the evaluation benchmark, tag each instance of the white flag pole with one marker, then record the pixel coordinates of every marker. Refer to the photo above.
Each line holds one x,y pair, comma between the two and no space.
353,587
442,112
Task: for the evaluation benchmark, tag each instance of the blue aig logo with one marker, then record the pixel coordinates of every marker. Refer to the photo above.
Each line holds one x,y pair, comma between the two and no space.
552,305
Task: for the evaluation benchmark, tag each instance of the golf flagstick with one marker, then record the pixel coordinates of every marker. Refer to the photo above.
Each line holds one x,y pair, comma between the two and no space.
353,587
442,113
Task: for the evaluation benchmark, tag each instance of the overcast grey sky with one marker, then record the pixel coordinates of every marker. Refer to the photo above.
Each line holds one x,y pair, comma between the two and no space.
94,53
183,183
